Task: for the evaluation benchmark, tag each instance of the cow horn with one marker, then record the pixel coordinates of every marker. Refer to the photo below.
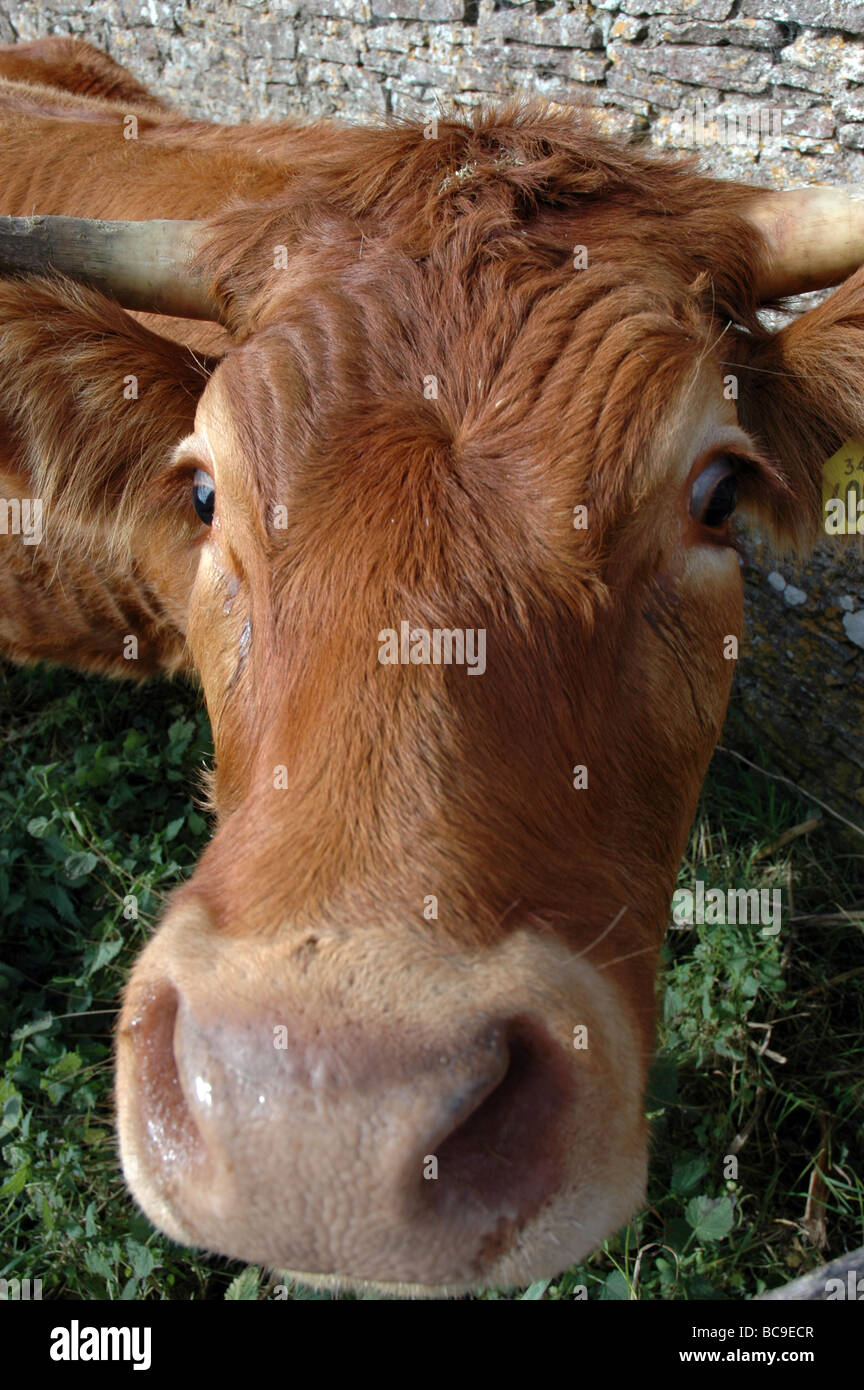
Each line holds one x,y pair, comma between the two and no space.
814,237
143,265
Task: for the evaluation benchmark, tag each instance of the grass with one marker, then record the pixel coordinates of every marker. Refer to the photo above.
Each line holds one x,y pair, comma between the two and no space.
755,1101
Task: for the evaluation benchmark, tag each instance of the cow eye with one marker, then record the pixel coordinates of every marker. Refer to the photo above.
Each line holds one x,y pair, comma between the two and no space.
204,496
714,494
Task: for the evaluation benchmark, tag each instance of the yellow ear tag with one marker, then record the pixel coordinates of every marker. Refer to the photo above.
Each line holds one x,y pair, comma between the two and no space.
843,479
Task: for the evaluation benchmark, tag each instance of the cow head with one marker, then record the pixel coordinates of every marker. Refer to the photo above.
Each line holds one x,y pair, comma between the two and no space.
508,385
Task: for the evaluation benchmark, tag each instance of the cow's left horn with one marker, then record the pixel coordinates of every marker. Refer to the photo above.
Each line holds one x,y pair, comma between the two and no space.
145,265
814,237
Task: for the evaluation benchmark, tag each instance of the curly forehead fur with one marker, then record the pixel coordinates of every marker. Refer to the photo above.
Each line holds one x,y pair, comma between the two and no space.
508,307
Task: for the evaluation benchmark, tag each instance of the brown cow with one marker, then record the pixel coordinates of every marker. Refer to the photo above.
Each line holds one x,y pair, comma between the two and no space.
501,380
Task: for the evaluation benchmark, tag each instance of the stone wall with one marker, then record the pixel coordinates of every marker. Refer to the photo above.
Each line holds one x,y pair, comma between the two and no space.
771,90
798,698
776,86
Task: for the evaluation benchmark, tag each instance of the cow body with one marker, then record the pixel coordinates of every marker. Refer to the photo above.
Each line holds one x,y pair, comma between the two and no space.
395,1029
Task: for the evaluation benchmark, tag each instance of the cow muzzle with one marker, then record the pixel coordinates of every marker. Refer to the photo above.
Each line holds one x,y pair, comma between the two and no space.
359,1109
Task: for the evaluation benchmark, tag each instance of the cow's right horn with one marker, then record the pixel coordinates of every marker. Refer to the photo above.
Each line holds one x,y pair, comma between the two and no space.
146,266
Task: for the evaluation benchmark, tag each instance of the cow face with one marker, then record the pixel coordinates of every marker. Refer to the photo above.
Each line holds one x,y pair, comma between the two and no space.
506,389
396,1027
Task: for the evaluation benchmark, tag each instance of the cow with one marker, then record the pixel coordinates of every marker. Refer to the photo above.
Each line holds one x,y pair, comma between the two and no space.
322,413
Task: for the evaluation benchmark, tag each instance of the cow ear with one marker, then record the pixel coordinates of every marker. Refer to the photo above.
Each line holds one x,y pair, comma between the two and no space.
801,397
92,406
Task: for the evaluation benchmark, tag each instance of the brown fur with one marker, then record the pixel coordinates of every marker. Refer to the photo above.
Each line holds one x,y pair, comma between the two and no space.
74,66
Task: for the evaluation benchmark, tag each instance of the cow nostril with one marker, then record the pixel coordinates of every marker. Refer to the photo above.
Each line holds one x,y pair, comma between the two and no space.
502,1158
166,1120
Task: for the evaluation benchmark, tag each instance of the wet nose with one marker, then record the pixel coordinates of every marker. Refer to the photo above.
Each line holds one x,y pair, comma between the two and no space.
421,1150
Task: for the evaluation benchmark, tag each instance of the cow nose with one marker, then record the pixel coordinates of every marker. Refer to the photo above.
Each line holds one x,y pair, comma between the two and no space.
289,1143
